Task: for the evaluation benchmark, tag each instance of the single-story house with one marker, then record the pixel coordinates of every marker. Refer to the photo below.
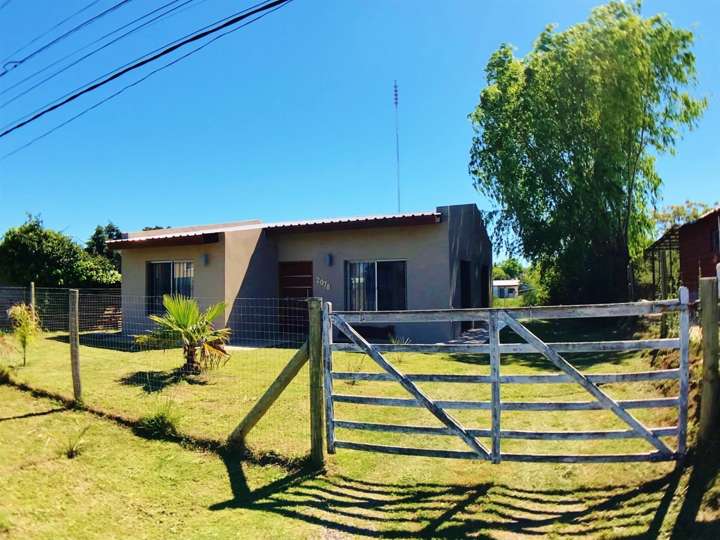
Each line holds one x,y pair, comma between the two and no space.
422,260
506,288
684,254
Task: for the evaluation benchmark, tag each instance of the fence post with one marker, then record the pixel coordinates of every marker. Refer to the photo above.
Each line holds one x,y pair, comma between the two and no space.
494,340
684,369
74,336
32,296
709,315
315,347
328,383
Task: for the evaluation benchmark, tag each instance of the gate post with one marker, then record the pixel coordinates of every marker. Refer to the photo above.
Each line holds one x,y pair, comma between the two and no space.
315,347
709,315
328,386
494,340
684,369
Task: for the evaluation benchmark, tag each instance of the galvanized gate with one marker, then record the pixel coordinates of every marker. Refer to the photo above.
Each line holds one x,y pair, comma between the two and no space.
496,319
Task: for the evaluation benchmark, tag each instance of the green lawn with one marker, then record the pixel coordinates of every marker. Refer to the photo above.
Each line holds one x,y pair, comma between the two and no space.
123,485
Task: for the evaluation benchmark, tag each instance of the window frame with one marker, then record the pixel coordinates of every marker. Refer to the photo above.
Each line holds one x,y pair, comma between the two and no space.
374,262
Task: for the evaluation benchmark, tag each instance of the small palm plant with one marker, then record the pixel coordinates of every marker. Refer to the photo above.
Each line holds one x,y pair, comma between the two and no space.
25,326
185,324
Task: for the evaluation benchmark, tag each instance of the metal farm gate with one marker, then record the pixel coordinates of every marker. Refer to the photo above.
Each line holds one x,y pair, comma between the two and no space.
496,319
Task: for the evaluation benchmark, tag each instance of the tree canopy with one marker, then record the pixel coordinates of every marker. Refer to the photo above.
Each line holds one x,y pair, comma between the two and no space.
679,214
565,140
97,244
50,258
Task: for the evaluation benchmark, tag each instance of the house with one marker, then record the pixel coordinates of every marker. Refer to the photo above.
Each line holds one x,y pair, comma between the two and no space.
506,288
684,254
423,260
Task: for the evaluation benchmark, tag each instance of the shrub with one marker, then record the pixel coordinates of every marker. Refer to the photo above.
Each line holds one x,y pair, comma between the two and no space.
25,326
161,423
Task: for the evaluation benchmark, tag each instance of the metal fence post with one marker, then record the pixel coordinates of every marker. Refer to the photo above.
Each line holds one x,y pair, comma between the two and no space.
32,297
74,336
315,347
709,316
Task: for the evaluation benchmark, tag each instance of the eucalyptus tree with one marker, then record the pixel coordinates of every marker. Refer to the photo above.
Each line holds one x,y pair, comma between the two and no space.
565,144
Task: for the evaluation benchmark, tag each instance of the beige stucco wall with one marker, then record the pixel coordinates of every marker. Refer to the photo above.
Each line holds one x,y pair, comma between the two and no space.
208,280
424,247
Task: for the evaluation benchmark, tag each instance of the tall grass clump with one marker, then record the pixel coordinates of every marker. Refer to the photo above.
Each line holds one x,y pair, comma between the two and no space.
161,422
25,326
75,443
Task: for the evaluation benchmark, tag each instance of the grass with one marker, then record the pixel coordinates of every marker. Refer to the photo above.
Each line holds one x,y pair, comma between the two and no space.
125,485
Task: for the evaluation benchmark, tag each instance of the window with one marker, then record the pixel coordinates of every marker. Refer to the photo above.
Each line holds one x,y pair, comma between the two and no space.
167,277
375,285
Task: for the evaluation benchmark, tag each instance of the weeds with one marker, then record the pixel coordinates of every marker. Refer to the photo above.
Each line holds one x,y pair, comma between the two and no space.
5,376
75,443
396,358
25,326
161,423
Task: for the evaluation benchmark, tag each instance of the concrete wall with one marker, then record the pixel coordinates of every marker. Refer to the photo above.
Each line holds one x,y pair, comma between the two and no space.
424,247
208,280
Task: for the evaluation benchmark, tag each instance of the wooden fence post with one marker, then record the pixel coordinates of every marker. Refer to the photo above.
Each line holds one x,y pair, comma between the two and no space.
684,369
315,347
709,316
494,337
32,297
74,336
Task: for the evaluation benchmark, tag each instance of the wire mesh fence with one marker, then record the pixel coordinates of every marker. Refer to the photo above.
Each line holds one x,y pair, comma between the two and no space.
123,376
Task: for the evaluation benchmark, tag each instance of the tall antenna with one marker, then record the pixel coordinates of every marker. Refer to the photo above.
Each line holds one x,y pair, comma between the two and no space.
397,142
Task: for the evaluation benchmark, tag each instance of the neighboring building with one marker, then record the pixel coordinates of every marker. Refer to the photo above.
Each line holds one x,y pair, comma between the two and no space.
426,260
699,250
684,254
506,288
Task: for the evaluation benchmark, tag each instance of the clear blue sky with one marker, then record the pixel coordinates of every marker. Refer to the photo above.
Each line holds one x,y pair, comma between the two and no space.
292,117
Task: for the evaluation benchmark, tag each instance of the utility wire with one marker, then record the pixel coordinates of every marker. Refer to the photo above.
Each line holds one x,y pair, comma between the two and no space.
9,65
4,4
91,53
57,25
245,14
145,77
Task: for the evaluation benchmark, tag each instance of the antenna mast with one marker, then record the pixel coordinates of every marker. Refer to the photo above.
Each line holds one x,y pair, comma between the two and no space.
397,143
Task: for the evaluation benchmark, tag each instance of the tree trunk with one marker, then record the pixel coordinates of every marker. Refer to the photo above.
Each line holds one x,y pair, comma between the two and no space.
191,366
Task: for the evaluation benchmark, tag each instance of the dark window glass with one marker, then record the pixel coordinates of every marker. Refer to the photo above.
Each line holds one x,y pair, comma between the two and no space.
360,286
167,278
391,288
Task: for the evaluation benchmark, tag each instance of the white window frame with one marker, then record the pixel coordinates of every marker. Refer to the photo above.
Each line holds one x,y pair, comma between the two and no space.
374,262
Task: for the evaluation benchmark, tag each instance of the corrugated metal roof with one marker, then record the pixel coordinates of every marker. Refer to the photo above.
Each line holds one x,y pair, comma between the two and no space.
313,224
506,282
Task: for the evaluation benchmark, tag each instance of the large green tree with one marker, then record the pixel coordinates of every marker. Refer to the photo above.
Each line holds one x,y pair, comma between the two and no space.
565,140
31,252
97,244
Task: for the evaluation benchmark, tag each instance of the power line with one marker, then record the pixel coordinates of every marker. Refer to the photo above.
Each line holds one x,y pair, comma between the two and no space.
57,25
91,53
15,63
4,4
113,73
254,10
267,11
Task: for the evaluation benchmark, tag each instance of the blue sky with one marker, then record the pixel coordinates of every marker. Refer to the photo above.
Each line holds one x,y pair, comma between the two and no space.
291,117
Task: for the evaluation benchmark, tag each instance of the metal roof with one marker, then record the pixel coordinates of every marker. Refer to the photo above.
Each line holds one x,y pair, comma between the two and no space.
209,233
506,282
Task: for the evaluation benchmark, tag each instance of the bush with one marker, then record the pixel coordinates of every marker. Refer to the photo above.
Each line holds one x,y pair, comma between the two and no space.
161,423
25,326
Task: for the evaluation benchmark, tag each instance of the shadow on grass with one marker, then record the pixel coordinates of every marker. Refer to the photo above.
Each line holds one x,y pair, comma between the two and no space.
429,510
33,414
116,341
153,381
